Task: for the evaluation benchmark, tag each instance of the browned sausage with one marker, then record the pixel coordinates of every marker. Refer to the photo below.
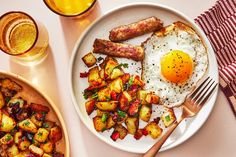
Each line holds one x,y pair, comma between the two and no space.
132,30
118,49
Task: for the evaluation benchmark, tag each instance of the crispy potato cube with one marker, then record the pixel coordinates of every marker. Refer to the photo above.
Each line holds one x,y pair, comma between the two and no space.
134,107
23,154
12,151
142,96
93,77
2,101
89,105
38,152
153,130
89,59
6,139
47,147
24,144
107,106
35,121
41,135
124,100
116,85
145,112
11,85
122,131
102,74
28,125
116,72
46,155
55,134
110,65
168,118
104,94
99,125
138,81
110,122
125,78
132,124
17,137
7,123
151,98
100,113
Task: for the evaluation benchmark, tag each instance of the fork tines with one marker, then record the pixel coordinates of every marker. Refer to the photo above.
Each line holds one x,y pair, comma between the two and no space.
203,91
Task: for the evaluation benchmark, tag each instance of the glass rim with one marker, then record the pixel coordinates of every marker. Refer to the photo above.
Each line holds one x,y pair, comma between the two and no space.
37,32
66,15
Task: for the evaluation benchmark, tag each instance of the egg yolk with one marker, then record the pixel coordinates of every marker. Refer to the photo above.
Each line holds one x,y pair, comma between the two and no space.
176,66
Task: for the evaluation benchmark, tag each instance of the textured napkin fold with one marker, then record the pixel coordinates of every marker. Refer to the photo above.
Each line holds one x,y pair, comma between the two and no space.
219,24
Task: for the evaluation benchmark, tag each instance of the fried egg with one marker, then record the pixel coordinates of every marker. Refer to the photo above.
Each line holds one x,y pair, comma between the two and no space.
175,60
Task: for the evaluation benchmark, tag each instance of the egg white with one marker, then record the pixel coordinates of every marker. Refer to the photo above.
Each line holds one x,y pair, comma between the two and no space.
156,47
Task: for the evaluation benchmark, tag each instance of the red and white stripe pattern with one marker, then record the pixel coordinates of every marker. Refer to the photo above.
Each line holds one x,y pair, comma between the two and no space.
219,24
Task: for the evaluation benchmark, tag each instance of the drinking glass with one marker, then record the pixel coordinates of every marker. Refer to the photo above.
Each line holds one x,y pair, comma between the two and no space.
70,7
25,39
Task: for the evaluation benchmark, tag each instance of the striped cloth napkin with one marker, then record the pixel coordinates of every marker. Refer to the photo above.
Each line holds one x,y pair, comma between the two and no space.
219,24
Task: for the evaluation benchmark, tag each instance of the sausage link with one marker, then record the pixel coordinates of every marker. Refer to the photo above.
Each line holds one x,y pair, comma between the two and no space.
132,30
118,49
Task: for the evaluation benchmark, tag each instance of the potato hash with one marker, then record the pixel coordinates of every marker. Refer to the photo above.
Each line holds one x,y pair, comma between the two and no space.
119,100
24,128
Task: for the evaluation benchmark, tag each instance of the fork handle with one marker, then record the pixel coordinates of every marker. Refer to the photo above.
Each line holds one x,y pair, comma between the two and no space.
157,146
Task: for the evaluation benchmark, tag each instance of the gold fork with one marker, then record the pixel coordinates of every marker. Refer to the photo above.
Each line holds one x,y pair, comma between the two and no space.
192,105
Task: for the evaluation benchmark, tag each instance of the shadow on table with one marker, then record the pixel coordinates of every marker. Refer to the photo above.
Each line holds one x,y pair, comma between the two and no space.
73,27
42,75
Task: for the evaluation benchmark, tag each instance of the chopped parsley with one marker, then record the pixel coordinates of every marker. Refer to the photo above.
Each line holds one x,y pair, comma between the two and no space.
40,134
104,117
8,137
167,118
95,96
27,123
85,95
121,114
125,65
45,125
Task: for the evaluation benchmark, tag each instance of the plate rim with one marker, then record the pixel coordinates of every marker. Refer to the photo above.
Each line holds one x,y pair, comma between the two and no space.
107,13
51,103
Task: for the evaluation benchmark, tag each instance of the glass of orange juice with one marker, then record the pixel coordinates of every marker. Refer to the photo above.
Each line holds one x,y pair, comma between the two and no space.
70,7
25,39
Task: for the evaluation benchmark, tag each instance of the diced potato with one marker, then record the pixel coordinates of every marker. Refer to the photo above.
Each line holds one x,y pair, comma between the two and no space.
2,101
11,85
38,152
102,74
46,155
142,96
17,137
104,94
107,106
110,65
55,134
151,98
124,100
134,107
100,113
41,135
23,153
28,125
7,123
153,130
145,112
116,85
125,78
116,72
35,121
99,125
89,105
24,144
122,130
12,151
89,59
98,86
110,122
93,77
137,81
6,139
168,118
132,124
47,147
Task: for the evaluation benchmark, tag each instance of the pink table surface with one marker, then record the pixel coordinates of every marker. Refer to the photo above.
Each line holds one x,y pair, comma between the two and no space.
216,138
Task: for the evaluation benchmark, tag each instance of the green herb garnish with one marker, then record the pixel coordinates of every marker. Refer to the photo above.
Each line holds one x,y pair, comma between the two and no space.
45,125
40,134
104,117
121,114
27,123
125,65
8,137
167,118
95,96
85,96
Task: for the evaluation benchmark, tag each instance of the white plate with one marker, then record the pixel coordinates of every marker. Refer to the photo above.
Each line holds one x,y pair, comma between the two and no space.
100,29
